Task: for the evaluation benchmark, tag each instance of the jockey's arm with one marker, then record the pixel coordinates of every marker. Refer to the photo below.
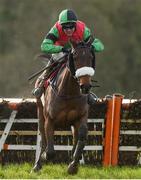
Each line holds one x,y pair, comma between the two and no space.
48,44
97,44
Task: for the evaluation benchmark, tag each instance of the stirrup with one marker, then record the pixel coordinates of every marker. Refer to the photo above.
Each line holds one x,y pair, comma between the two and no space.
37,92
92,98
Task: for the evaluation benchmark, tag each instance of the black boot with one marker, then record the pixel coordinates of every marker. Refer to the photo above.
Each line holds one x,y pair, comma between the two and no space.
92,98
38,91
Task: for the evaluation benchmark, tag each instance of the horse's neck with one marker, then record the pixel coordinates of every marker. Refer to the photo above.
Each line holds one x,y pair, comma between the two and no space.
67,85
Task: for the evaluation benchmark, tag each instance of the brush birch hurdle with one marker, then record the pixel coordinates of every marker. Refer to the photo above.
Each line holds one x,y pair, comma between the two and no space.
13,104
110,146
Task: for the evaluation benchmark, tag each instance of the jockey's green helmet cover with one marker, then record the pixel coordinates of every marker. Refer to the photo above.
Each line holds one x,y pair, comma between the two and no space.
67,16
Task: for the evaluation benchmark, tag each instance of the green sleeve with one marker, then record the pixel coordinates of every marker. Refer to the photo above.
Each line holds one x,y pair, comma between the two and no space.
97,44
87,33
48,44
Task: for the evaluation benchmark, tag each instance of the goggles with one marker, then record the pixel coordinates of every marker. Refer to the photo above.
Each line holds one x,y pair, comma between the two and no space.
68,26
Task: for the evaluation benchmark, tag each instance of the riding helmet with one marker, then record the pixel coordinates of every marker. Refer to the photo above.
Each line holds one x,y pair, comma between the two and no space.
67,16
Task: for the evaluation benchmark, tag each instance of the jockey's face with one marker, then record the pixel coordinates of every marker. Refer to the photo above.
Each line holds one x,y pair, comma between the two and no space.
69,32
69,29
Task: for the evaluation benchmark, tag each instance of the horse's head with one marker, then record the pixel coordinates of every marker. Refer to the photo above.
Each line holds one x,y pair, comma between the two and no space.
82,64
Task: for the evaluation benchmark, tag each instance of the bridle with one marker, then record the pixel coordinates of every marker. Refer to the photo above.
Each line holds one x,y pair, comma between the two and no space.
71,64
83,74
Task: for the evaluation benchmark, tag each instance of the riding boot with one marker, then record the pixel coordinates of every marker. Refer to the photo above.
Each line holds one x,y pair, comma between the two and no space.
92,98
38,91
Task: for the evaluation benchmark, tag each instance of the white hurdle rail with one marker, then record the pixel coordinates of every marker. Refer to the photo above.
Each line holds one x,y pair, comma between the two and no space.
12,119
7,131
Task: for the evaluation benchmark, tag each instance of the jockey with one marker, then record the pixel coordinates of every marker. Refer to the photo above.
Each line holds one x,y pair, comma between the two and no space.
57,40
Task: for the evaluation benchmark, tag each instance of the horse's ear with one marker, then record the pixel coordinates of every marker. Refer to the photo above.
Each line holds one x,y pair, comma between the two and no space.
90,41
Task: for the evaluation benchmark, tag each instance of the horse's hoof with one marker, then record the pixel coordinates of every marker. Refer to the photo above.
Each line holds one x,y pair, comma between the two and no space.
73,168
44,156
36,168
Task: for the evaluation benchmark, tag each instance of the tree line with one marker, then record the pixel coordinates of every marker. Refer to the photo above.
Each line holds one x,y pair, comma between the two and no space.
24,24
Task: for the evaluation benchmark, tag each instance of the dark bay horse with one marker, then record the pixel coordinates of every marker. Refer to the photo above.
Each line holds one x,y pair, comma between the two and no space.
65,103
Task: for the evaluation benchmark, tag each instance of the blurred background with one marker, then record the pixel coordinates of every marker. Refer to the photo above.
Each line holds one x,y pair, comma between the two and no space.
117,23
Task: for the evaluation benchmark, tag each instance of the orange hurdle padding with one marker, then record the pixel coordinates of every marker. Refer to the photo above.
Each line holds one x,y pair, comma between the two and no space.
112,129
117,99
108,135
5,146
13,105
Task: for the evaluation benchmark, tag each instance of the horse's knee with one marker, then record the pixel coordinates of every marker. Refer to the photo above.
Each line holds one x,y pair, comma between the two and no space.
82,133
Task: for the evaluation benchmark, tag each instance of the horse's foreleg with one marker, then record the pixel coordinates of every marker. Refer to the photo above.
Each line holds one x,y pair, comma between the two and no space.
82,136
38,164
49,131
41,124
75,136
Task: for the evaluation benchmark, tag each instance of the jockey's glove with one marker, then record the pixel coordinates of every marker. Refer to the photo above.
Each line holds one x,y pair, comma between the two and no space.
65,50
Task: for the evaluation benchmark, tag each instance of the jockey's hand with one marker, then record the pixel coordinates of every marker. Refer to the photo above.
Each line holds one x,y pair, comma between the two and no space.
65,50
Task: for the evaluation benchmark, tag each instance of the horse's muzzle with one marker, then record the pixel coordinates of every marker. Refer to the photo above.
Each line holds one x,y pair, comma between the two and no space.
85,88
85,84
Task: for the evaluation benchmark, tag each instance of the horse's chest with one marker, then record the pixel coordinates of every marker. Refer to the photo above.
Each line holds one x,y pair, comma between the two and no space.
70,110
68,115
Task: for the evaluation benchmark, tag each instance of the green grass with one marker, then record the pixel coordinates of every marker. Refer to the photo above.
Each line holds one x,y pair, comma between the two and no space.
60,171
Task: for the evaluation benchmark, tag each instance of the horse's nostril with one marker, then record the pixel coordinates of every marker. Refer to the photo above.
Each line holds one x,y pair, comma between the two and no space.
81,86
85,88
